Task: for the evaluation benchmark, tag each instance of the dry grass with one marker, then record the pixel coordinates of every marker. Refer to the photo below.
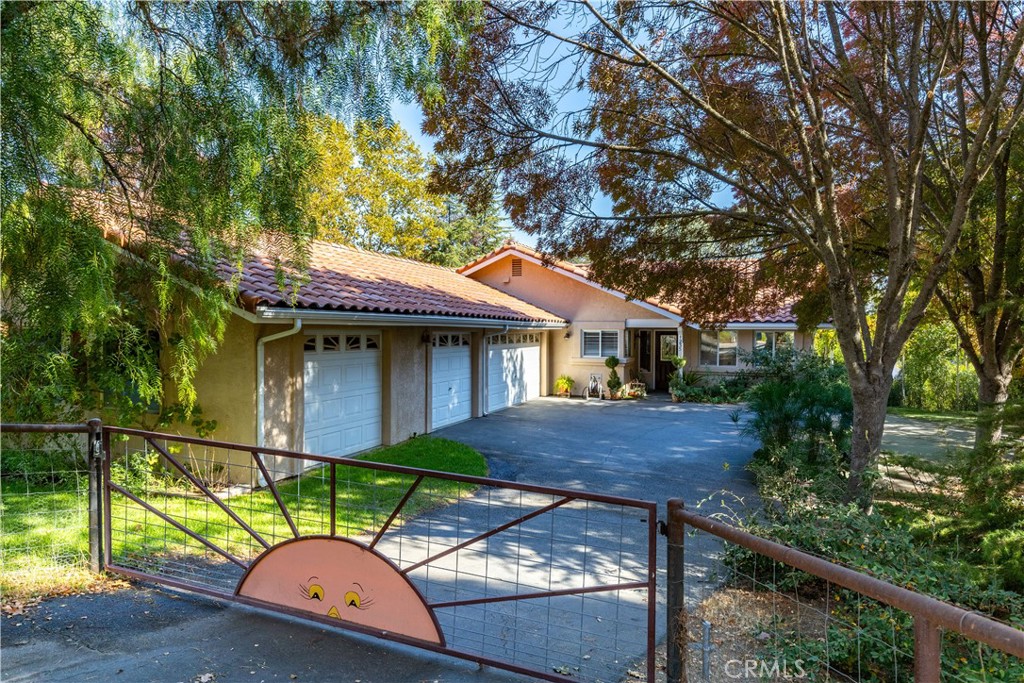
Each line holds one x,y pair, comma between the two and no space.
743,622
23,590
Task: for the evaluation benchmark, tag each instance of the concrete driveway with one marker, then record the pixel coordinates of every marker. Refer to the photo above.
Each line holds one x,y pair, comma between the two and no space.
652,449
649,449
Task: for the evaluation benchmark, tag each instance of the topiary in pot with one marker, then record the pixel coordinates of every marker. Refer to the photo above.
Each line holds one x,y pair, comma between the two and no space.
614,383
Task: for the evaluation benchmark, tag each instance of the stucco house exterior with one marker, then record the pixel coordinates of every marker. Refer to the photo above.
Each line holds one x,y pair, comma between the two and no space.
371,350
604,322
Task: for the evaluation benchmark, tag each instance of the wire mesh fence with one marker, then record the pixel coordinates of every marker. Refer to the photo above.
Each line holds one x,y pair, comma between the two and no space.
44,505
750,617
554,582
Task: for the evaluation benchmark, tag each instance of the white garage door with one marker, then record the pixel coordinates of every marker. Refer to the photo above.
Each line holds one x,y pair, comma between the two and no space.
451,380
513,369
342,393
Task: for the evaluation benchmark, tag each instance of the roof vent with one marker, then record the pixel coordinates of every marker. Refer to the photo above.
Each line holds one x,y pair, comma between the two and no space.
517,267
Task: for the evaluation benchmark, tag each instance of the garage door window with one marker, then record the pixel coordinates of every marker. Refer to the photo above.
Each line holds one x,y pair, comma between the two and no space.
445,341
600,343
339,343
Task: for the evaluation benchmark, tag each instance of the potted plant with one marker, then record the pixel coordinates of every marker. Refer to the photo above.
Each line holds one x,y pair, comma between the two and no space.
564,385
614,383
677,385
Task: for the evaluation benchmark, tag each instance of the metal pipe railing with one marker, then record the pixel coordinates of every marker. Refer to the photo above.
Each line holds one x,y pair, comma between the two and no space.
930,615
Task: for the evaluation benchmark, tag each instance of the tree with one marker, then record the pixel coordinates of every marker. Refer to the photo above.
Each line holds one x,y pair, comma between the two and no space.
983,292
821,119
190,120
371,190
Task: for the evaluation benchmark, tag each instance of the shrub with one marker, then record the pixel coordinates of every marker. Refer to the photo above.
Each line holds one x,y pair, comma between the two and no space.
865,637
614,383
802,413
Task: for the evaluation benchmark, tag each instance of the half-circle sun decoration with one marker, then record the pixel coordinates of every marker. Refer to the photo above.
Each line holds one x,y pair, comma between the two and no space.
342,579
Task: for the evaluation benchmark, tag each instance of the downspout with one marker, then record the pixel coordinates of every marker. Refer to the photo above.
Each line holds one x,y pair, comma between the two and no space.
260,372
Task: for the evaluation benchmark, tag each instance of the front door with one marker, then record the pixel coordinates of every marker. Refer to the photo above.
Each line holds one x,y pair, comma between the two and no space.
666,345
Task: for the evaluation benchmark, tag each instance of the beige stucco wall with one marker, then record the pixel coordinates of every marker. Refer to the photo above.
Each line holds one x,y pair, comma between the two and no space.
225,384
588,307
405,379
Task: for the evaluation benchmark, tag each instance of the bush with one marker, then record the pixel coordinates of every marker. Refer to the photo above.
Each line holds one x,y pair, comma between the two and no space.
614,383
696,388
866,637
802,412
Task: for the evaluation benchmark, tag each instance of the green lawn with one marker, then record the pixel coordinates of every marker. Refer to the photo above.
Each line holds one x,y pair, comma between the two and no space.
45,526
949,418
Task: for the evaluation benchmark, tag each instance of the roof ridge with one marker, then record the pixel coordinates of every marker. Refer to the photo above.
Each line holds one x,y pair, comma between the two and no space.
371,252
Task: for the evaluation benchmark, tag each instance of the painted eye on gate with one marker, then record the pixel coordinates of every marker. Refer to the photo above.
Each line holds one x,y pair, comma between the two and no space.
316,592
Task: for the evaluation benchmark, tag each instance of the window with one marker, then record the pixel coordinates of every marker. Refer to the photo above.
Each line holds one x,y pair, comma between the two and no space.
773,341
353,342
600,343
442,341
718,348
668,346
309,344
372,342
331,342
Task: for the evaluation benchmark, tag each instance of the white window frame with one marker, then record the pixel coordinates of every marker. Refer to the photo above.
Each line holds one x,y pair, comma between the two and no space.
772,339
718,348
601,348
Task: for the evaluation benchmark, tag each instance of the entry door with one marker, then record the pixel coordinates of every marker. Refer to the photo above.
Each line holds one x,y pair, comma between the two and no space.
451,396
666,344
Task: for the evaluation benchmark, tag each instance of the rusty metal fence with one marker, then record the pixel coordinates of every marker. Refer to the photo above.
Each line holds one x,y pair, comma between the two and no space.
49,496
550,583
795,616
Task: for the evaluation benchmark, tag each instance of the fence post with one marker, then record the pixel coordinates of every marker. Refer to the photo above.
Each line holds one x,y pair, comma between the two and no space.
96,457
676,532
927,650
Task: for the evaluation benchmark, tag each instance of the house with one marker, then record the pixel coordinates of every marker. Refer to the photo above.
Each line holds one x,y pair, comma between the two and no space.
605,322
368,350
371,350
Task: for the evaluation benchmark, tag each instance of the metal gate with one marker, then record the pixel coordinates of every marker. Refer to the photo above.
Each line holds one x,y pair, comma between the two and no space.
547,582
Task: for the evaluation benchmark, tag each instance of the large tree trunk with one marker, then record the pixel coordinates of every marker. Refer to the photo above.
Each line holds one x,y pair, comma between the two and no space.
870,398
993,388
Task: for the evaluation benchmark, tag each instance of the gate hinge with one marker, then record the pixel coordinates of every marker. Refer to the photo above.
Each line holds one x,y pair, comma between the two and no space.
97,450
662,527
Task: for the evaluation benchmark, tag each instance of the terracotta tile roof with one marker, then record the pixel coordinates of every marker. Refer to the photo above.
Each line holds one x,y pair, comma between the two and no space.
337,278
347,279
781,315
776,315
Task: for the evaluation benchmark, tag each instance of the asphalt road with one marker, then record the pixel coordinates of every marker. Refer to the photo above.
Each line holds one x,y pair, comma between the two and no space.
651,449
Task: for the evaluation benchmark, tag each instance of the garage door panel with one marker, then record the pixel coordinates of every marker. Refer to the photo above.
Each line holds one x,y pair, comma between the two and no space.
342,398
451,383
513,375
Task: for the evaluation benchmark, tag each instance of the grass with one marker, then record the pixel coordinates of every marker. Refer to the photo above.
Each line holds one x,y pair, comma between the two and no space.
45,526
964,419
